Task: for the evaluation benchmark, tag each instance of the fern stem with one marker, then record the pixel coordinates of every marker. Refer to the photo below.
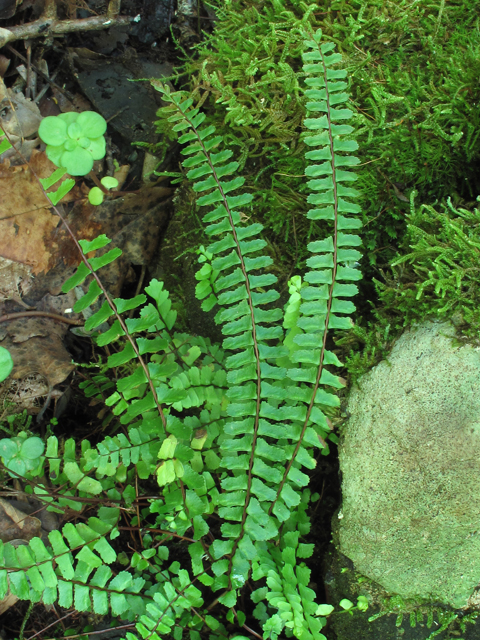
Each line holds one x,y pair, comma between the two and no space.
330,297
98,281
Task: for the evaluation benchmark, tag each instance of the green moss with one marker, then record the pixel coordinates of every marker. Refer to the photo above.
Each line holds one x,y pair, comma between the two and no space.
413,69
439,272
435,275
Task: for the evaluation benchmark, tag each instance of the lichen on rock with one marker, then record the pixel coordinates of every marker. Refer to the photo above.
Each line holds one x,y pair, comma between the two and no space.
410,462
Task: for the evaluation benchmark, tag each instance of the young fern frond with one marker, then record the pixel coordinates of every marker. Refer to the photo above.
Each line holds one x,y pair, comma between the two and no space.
315,308
259,403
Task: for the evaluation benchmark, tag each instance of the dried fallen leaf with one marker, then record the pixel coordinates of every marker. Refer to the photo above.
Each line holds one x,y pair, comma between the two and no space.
17,524
15,279
20,116
26,222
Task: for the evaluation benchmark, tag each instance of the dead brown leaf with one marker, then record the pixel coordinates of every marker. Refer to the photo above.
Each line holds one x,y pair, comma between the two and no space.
15,279
17,524
20,116
43,356
26,221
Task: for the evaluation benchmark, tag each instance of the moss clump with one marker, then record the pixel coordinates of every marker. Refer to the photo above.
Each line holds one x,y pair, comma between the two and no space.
436,274
439,272
413,69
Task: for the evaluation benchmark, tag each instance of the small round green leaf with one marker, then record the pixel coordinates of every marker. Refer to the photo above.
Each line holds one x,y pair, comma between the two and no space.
346,604
17,465
70,145
93,124
362,603
69,117
78,162
32,448
97,148
324,610
54,154
53,130
84,142
95,196
6,364
74,130
8,448
109,182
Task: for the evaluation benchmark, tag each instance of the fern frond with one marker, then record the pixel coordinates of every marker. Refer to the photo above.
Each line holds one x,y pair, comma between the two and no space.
262,458
62,571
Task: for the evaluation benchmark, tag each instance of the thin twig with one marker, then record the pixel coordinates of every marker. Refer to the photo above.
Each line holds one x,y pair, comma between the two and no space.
52,624
45,314
91,633
46,27
39,72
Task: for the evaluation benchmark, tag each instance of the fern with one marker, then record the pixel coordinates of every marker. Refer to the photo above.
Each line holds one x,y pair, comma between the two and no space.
233,474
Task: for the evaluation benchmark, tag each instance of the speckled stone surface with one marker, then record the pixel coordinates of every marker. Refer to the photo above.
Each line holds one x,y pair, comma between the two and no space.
410,462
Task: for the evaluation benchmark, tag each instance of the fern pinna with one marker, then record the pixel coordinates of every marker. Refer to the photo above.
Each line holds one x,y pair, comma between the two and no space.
233,474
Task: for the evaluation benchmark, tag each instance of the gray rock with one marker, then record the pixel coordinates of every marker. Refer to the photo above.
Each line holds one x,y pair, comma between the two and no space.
410,462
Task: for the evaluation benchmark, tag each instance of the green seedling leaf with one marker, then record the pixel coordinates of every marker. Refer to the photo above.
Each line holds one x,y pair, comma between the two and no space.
74,140
53,131
109,182
8,448
6,364
95,196
97,148
17,465
324,610
77,162
91,124
32,448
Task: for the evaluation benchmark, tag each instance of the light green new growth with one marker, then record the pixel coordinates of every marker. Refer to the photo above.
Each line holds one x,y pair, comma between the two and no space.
74,140
233,473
